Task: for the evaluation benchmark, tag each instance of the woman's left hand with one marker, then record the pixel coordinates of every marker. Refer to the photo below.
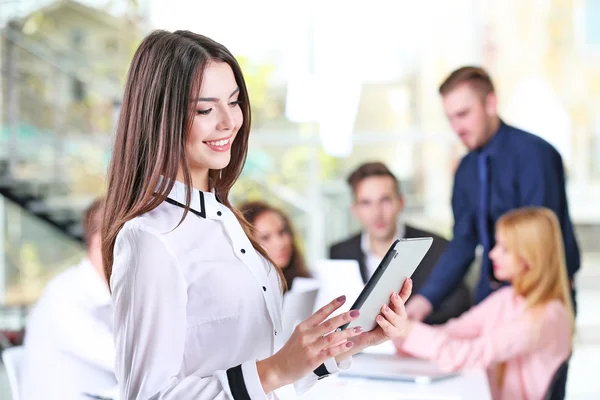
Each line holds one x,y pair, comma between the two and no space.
391,323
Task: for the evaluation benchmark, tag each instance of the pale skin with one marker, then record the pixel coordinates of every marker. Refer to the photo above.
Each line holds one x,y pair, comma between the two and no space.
474,119
377,206
216,122
507,267
274,237
94,254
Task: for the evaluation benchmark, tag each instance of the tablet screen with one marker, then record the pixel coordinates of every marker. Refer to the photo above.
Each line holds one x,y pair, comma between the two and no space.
400,262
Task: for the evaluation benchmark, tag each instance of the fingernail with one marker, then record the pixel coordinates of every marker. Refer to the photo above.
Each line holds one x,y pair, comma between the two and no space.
379,318
395,296
341,299
358,329
349,344
386,308
354,313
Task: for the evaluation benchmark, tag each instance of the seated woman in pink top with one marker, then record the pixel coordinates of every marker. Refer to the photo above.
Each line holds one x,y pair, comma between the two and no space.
522,333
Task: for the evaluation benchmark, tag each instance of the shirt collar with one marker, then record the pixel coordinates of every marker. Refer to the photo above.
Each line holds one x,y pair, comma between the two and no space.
202,204
365,241
495,142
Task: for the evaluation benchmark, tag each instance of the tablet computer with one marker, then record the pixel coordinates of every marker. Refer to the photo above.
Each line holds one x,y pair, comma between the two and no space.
399,263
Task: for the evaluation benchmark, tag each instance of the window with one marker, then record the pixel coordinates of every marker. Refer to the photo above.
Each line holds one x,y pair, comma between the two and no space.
596,144
77,37
592,27
111,45
78,90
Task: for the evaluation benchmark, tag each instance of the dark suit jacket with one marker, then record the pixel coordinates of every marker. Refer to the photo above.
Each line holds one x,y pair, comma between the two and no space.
523,171
454,305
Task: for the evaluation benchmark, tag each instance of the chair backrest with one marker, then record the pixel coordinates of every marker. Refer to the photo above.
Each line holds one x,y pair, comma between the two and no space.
13,362
556,392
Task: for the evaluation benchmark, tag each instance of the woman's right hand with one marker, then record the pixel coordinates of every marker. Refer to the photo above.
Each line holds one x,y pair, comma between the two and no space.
312,342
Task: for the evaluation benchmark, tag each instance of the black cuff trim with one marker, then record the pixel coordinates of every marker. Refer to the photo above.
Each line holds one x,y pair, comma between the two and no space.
321,372
237,384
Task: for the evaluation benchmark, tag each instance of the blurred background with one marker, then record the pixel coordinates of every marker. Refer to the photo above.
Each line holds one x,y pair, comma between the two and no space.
332,84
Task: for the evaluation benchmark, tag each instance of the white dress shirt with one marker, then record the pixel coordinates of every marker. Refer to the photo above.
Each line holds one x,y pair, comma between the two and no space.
372,261
69,346
195,306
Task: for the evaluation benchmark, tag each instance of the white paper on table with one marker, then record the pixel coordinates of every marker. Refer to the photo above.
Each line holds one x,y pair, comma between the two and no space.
337,278
304,284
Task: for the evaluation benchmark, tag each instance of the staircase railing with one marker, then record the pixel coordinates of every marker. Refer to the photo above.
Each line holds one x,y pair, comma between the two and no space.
52,164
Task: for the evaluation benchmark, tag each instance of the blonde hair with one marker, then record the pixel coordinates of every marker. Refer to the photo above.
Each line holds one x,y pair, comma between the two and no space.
534,236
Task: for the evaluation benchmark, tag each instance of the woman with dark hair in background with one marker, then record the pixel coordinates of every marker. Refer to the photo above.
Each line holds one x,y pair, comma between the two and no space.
275,234
197,301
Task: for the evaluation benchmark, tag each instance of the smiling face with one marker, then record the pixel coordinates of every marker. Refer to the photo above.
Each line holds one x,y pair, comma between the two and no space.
471,115
216,121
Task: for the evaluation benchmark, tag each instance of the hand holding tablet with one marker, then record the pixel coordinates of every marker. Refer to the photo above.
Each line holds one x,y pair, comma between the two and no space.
400,262
391,321
381,302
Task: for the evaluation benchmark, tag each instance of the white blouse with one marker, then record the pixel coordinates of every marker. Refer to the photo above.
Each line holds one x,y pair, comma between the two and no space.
195,306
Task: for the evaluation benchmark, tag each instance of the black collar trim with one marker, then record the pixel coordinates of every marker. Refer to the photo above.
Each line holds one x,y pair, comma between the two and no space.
201,213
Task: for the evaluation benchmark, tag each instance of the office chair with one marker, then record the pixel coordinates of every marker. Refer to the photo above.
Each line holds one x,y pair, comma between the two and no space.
553,392
13,362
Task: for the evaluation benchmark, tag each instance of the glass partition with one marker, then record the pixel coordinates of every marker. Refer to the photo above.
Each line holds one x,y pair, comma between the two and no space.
34,252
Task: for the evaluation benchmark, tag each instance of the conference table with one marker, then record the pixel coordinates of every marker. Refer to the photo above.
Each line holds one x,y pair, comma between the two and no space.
349,385
466,385
469,385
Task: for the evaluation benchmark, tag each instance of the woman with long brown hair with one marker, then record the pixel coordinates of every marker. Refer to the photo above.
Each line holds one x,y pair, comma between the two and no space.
274,233
521,333
197,301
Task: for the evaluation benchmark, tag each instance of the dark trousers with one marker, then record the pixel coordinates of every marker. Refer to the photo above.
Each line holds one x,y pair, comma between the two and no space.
560,391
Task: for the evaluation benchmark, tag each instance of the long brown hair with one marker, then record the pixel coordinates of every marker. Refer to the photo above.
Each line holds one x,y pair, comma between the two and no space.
156,116
296,267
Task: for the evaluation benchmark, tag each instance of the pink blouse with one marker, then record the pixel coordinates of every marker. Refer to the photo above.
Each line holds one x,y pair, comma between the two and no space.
500,330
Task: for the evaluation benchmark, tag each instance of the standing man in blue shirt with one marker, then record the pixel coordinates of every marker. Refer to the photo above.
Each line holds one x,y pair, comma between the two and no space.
506,168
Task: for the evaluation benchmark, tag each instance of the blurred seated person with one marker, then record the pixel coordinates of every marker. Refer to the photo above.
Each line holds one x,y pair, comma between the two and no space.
276,236
68,342
378,205
521,333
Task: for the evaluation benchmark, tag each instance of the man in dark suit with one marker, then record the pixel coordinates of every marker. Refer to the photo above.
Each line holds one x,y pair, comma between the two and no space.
378,204
506,168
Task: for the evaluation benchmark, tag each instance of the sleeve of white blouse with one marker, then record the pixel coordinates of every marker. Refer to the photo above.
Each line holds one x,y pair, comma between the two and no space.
330,366
150,296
